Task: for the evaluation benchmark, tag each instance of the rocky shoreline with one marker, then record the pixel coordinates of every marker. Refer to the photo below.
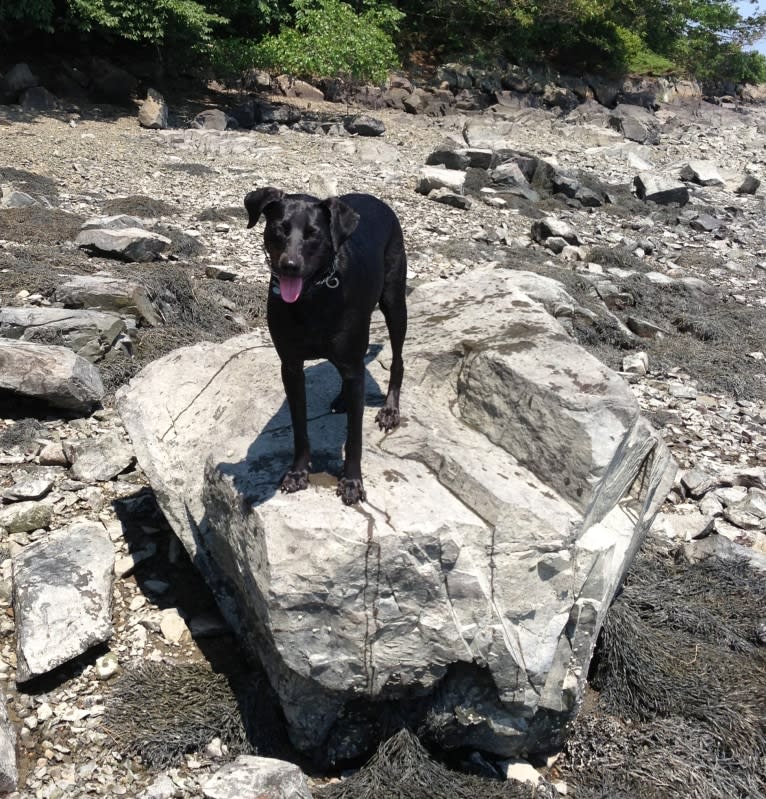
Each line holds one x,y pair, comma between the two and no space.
689,271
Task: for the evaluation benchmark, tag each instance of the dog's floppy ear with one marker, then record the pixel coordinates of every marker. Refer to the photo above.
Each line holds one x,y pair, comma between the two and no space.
257,200
343,220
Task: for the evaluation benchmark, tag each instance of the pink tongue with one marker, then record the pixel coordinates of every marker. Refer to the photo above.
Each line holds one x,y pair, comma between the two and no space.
290,288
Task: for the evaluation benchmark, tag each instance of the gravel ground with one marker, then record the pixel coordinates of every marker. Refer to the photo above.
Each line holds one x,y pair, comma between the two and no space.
98,161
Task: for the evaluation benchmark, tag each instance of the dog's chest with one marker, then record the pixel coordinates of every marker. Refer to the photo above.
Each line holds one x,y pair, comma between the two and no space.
309,328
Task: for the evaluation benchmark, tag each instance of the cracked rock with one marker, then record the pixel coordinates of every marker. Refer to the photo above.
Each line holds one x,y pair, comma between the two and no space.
401,600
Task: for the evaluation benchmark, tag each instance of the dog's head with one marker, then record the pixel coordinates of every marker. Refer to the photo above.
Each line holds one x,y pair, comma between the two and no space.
302,234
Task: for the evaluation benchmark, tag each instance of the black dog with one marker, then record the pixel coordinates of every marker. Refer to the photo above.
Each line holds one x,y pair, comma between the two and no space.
332,262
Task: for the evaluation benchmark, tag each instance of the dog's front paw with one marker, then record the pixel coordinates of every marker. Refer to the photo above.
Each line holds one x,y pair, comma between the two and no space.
388,419
351,491
295,481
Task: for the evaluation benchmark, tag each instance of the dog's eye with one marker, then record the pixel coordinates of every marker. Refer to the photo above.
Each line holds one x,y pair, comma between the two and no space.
286,228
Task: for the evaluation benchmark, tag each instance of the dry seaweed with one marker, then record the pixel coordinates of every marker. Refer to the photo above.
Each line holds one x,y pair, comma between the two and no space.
402,769
140,205
160,712
682,679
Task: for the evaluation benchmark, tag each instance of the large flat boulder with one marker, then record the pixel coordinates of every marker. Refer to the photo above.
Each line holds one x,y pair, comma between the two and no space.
501,518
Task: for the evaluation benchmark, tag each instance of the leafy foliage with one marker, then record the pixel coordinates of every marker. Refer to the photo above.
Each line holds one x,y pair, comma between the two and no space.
330,39
151,21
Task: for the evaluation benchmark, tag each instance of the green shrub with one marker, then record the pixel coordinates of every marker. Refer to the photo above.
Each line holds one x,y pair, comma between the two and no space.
638,58
149,21
329,39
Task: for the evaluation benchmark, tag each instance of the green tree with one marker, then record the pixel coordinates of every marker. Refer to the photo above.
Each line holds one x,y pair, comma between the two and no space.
150,21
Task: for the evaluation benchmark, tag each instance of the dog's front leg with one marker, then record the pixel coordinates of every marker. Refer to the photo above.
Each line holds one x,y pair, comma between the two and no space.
350,486
297,477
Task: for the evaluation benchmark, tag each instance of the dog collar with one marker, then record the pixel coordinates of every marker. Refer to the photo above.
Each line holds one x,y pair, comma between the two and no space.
331,279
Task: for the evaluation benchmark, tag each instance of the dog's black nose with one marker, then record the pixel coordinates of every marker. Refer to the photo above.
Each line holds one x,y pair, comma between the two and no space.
287,266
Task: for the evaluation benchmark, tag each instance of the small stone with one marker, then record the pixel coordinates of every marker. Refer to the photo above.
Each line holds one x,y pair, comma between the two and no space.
137,603
520,771
636,363
682,526
30,489
698,482
705,173
215,749
660,189
750,185
644,328
107,666
217,273
157,587
124,566
555,244
208,625
24,517
172,626
731,494
710,505
52,454
162,788
364,125
543,229
681,391
249,775
98,459
447,197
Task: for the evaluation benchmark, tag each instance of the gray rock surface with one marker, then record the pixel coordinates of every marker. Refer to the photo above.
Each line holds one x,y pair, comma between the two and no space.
9,774
90,334
112,222
154,111
23,517
364,125
38,98
452,570
436,177
18,78
129,244
635,123
262,777
62,597
705,173
107,293
27,488
660,189
98,459
51,374
15,199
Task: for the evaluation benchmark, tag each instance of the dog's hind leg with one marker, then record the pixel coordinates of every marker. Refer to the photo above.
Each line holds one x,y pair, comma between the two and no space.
297,476
394,307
